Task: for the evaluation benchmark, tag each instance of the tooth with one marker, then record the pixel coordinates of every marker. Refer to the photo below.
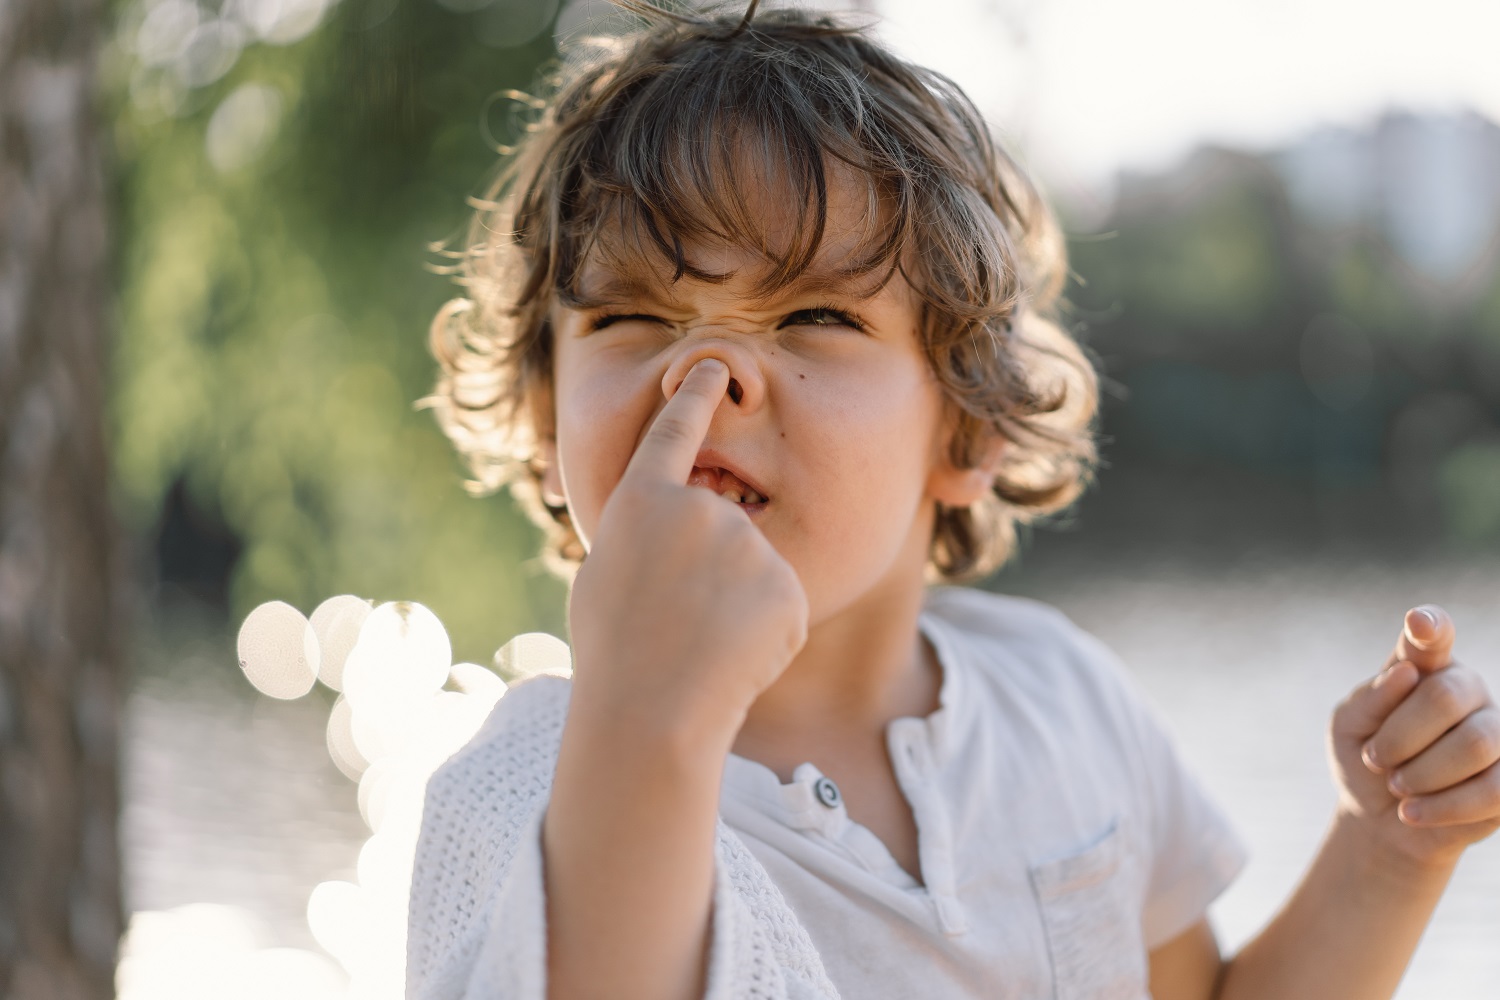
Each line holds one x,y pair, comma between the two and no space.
732,494
753,497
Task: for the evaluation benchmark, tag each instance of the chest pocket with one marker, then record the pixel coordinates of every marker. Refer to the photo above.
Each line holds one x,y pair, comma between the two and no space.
1093,923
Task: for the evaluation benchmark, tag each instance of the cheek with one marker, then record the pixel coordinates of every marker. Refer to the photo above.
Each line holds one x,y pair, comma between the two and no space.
599,416
877,435
865,456
884,420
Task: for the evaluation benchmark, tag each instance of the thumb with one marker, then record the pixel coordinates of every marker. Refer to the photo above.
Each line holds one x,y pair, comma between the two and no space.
1426,639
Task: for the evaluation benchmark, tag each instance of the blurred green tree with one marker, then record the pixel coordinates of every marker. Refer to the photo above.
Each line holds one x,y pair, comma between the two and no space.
1247,333
280,183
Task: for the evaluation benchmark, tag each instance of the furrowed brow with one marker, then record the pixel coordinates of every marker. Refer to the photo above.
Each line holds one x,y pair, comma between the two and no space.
610,290
838,283
606,287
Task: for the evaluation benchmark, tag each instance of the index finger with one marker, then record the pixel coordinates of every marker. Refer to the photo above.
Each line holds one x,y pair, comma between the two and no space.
670,446
1426,639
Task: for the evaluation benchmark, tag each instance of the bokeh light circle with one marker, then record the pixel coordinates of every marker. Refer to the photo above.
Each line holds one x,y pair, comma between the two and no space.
336,915
532,654
482,682
340,738
278,650
403,652
337,622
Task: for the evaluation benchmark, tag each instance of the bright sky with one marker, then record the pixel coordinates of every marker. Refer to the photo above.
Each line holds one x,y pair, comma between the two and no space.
1084,87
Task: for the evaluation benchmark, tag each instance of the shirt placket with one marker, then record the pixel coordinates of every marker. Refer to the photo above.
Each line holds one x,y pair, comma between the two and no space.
911,751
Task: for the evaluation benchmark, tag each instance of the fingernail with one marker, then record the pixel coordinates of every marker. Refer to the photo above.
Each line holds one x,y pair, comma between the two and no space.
710,365
1427,614
1368,754
1410,811
1397,785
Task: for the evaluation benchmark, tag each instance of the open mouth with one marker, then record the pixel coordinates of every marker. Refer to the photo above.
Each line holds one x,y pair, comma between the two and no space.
727,485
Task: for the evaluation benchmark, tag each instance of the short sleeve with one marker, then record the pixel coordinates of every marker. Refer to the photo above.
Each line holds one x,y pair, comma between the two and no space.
1193,851
1198,853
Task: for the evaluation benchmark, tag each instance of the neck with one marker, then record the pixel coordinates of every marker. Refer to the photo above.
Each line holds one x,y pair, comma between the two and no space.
859,669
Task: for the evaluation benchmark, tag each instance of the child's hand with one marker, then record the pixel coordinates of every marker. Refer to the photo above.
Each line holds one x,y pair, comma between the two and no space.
1415,749
682,610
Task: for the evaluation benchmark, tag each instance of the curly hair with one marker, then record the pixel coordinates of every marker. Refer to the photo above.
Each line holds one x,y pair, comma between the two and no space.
628,155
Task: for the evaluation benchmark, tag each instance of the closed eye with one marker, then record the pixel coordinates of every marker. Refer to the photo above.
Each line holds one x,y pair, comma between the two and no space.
609,319
822,316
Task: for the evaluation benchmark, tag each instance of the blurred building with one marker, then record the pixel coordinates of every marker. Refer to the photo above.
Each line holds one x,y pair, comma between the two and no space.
1323,318
1430,184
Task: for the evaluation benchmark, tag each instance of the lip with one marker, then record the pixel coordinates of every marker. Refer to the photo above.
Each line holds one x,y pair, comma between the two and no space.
708,458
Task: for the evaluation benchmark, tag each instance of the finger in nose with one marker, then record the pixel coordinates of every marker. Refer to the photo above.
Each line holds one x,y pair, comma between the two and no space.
746,382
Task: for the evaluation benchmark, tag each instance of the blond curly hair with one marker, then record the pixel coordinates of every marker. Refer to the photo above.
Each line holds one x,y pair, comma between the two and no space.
629,145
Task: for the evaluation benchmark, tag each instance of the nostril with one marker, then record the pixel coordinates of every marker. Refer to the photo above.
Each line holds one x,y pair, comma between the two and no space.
735,392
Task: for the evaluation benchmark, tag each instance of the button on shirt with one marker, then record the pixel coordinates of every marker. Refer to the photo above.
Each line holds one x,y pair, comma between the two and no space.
1060,836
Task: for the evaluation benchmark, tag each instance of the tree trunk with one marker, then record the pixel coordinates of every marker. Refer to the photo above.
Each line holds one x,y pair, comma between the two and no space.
61,648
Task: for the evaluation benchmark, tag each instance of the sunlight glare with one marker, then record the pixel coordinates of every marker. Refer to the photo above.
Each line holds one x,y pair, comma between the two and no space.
532,654
384,867
286,974
212,950
165,32
337,917
278,651
382,720
404,709
403,652
280,22
471,678
340,735
337,622
242,126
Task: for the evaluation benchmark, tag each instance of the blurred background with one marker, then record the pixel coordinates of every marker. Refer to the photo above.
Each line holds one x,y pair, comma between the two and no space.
1284,220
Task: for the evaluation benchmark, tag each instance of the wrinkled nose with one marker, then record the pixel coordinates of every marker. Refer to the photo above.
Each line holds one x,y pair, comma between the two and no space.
747,386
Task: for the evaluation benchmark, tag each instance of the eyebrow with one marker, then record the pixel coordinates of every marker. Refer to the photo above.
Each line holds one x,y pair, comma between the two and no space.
613,289
618,288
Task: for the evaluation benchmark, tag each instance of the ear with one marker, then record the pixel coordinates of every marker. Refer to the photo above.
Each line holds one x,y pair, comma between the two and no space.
543,419
551,484
953,486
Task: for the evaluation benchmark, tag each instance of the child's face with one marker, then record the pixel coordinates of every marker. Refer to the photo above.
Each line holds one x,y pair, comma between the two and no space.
839,427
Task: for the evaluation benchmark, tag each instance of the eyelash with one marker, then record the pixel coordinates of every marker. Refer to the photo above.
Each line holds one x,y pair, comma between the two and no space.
840,318
600,322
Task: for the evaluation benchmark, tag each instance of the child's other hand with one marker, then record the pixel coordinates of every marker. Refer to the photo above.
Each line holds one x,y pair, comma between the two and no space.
1415,749
683,612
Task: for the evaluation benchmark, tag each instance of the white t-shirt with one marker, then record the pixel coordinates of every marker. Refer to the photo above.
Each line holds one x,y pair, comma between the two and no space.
1060,839
1060,836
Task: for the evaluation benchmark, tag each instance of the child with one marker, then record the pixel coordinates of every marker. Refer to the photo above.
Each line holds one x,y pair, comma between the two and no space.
757,321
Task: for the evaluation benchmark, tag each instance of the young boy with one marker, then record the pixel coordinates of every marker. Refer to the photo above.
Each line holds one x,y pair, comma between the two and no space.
757,318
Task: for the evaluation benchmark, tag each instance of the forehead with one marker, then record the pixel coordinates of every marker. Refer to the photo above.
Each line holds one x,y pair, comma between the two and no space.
760,224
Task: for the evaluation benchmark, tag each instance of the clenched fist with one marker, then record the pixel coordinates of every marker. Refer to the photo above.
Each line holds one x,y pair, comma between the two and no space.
1416,750
683,610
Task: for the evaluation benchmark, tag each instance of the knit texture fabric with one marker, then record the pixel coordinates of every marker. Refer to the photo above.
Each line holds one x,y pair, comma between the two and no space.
477,922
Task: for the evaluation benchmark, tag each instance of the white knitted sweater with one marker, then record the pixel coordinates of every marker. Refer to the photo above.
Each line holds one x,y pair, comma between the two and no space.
477,927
